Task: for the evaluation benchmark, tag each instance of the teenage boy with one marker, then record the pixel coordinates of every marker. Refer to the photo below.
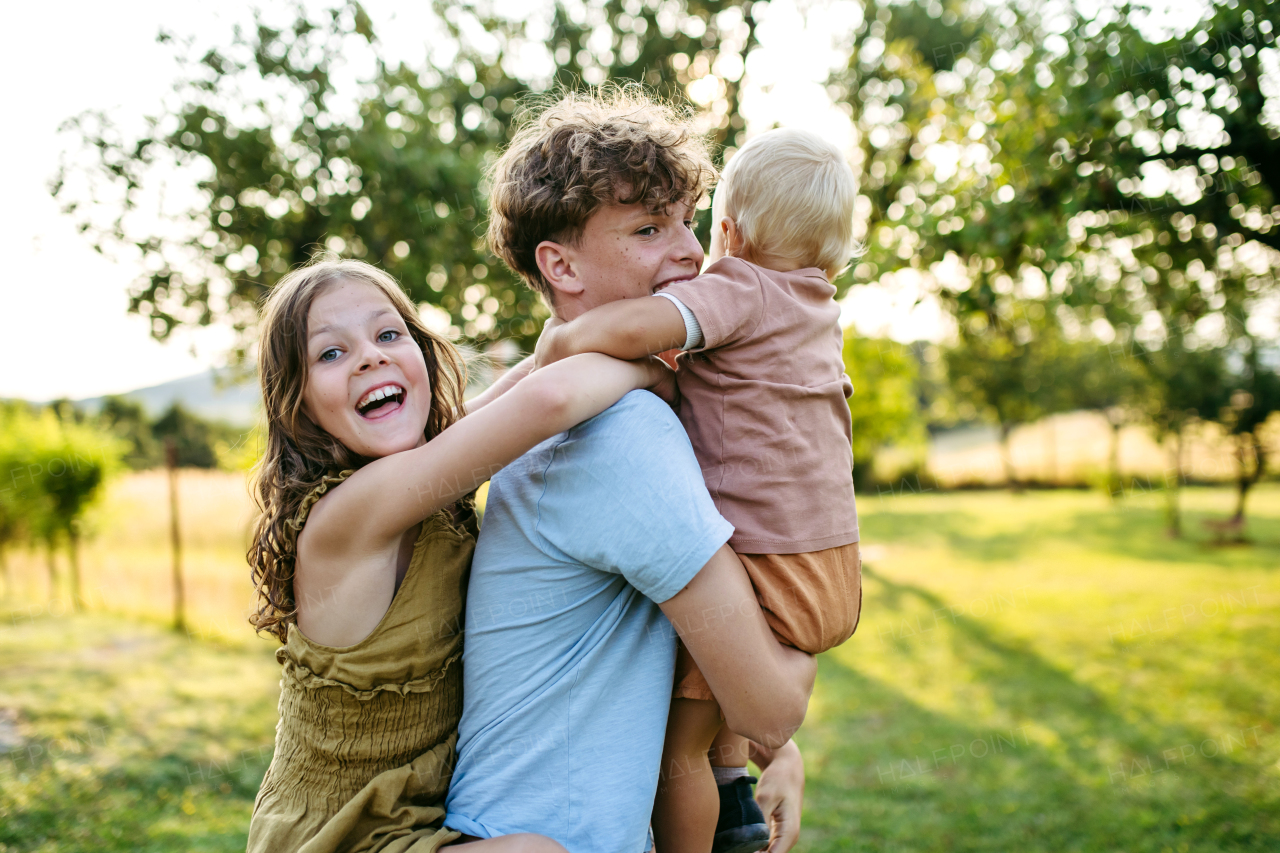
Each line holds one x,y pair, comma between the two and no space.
598,541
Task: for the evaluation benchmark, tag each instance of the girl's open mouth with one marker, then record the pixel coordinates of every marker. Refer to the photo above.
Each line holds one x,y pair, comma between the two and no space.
381,401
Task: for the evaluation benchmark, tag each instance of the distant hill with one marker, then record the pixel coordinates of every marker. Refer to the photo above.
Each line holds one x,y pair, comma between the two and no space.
202,394
238,404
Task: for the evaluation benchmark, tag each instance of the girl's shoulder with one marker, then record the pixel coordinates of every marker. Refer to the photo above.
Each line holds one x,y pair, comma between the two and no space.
328,482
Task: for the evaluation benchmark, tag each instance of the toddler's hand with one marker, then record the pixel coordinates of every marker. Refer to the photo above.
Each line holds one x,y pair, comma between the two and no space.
543,352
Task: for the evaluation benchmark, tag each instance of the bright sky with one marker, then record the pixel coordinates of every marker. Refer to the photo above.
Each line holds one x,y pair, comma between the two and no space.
66,330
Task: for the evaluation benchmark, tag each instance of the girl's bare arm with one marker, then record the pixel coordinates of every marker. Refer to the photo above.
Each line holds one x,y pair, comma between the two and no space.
348,552
388,496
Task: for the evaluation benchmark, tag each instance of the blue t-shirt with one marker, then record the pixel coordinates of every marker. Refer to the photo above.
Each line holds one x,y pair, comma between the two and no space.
568,661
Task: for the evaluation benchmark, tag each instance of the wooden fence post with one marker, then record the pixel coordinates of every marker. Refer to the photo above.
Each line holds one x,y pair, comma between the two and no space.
175,536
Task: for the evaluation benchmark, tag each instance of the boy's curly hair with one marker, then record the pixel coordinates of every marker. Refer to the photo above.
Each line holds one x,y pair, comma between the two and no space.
610,145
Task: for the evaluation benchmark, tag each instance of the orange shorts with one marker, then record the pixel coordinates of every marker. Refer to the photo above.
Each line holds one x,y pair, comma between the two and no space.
811,601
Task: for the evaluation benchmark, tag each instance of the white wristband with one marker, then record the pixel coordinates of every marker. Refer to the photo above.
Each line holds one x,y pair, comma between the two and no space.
692,330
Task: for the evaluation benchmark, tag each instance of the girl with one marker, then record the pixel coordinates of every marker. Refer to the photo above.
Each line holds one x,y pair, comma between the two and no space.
361,554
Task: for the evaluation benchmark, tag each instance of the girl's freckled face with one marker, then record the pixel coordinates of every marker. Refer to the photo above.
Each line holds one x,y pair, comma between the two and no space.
367,382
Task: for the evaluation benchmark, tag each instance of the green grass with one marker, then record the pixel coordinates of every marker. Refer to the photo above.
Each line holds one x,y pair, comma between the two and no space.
133,737
1038,672
1049,672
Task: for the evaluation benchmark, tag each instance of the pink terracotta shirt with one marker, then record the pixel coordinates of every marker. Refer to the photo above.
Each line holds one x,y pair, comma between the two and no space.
765,403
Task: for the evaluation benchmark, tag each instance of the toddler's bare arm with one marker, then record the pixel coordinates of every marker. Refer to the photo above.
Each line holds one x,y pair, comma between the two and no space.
626,329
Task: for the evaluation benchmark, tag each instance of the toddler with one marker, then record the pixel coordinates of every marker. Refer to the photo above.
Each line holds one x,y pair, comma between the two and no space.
764,401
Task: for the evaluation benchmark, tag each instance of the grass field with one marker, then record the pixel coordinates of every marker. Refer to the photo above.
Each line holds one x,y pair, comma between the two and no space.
1036,672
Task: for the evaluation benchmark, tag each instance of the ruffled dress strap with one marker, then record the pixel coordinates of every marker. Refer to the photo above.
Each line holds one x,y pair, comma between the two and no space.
294,525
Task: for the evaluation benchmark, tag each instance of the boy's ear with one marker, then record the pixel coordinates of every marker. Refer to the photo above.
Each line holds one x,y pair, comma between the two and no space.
556,263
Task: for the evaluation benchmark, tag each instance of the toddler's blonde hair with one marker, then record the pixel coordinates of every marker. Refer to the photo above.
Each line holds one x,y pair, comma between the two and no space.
792,195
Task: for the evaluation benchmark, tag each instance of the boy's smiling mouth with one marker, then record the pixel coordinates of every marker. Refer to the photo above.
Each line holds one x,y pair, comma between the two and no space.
658,287
381,401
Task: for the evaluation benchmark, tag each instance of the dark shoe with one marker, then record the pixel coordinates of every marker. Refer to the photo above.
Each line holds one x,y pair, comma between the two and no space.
741,828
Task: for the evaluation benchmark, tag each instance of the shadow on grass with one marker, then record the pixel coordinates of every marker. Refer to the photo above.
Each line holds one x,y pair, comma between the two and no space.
1042,762
1127,530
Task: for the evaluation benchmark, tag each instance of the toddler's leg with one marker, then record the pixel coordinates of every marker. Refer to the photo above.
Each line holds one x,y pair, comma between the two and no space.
687,805
729,749
741,827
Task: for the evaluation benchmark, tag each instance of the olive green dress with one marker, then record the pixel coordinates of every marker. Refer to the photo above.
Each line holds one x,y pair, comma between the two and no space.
366,741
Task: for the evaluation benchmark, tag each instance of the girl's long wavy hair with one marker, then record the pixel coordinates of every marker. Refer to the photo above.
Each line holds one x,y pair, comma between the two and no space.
299,454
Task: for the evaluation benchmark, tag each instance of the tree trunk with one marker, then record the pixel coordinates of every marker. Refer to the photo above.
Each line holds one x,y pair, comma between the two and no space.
1173,513
1246,445
1006,457
1180,458
52,556
73,553
1113,477
179,598
863,469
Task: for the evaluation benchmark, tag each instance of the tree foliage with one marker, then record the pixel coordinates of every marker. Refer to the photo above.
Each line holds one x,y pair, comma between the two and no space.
128,420
885,406
196,441
393,175
53,471
1064,180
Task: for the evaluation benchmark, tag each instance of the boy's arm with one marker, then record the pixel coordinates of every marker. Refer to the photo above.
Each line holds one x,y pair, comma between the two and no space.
626,329
763,686
780,792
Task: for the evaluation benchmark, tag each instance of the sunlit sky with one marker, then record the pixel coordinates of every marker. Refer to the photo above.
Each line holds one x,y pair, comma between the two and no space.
66,329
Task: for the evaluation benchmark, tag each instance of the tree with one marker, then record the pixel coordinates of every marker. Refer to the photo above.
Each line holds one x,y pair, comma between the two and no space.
19,508
393,178
1187,182
1011,374
1035,152
56,468
1051,153
393,174
195,440
885,406
128,420
1188,385
950,135
77,464
1254,397
1110,381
